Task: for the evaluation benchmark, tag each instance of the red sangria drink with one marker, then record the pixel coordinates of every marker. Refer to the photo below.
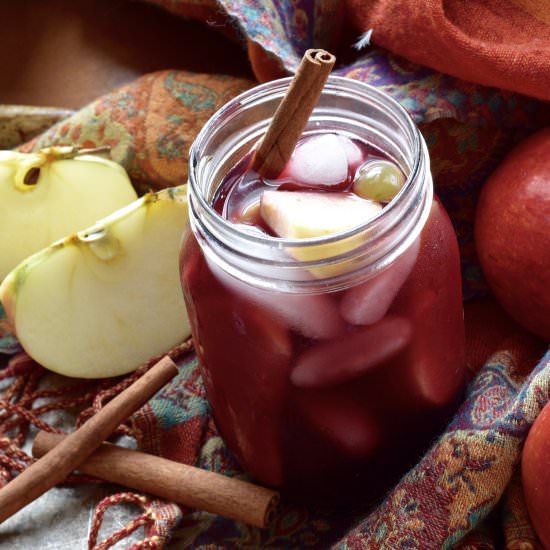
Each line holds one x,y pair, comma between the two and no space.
325,304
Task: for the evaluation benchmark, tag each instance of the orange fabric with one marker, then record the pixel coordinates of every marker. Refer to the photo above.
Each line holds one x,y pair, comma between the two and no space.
266,67
505,44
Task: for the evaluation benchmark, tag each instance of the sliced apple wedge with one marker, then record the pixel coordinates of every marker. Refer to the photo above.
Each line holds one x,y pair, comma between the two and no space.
102,301
305,215
47,195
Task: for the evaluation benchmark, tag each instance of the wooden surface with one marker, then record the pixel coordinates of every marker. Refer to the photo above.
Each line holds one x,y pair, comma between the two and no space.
66,53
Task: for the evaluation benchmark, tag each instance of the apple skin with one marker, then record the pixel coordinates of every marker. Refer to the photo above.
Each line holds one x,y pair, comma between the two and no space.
512,232
535,474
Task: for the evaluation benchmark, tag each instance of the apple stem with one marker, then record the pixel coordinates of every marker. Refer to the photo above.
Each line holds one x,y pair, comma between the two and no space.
67,152
102,149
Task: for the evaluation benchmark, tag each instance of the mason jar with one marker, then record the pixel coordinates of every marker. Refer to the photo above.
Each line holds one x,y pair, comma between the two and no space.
335,360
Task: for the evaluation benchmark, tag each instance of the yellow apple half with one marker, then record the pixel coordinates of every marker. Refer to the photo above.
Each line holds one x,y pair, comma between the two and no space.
47,195
103,301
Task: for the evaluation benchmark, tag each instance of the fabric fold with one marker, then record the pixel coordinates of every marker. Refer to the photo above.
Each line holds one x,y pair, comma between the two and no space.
504,44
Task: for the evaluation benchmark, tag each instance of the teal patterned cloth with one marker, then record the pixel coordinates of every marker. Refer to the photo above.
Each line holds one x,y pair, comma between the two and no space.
8,343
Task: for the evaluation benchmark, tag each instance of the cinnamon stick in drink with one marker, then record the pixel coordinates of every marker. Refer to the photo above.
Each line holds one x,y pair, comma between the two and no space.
293,112
228,497
56,465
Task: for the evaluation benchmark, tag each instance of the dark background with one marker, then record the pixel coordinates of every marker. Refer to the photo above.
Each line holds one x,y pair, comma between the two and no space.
66,53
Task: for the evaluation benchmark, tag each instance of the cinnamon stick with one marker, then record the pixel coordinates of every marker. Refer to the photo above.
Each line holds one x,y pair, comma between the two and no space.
293,112
181,483
56,465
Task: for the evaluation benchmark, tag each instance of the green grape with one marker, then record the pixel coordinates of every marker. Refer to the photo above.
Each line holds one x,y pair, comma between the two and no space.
378,180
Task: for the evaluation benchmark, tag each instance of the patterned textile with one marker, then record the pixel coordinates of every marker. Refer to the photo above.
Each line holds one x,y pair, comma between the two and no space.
8,343
457,484
461,479
518,532
150,124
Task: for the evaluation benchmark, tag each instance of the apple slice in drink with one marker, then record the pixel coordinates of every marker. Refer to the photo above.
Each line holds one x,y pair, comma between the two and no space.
433,302
429,355
368,302
49,194
306,215
103,301
309,214
352,356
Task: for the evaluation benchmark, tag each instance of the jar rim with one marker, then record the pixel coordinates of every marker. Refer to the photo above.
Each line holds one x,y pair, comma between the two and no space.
390,231
277,86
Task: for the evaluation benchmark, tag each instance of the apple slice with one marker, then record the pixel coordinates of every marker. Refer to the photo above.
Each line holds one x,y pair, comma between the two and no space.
352,356
47,195
103,301
368,302
307,214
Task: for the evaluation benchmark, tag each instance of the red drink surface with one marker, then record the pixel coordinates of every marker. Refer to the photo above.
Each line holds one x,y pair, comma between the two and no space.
323,389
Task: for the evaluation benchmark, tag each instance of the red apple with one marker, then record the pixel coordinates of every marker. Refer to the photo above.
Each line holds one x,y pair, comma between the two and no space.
535,473
512,233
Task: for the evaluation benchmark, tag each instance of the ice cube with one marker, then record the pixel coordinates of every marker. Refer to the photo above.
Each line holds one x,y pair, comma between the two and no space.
318,161
369,302
353,355
313,315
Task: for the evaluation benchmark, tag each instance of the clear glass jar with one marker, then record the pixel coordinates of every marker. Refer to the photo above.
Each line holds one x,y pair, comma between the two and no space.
339,367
